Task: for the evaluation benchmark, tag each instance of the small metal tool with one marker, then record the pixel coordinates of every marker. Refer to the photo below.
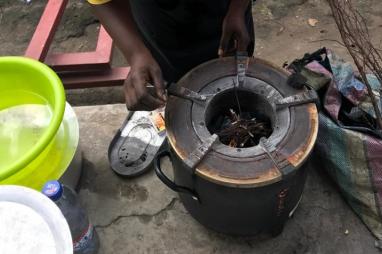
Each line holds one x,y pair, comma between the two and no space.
181,92
267,147
237,97
309,96
241,67
242,61
185,93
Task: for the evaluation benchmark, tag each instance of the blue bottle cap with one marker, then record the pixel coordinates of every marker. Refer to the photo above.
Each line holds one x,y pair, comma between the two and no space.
53,190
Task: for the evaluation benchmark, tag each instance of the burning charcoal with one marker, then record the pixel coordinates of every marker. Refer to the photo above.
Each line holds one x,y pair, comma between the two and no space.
244,130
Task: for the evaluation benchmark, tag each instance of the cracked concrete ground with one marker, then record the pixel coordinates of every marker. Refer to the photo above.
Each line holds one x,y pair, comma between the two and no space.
141,215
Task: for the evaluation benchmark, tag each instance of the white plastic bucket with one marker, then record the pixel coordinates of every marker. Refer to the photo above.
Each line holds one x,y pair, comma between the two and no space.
30,223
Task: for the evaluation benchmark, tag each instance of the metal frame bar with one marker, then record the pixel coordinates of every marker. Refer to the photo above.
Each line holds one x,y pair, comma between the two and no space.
42,38
77,70
112,77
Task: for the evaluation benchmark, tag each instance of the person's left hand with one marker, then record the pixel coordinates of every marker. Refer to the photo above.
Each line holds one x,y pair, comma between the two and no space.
235,36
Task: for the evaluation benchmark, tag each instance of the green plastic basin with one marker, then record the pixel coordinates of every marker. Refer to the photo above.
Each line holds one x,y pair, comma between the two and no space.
35,144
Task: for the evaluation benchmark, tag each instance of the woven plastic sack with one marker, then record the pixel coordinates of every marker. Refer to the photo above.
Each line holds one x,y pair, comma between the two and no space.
351,155
354,161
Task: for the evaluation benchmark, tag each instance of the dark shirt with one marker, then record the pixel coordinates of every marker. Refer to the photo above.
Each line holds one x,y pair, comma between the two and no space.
181,34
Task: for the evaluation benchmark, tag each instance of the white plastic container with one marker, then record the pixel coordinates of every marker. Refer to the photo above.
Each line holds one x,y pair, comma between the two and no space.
30,223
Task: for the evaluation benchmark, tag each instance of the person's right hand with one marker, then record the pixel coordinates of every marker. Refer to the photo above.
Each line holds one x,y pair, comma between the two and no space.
235,36
144,70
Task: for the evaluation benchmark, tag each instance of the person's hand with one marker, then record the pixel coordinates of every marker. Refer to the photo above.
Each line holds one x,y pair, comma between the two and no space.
235,36
144,71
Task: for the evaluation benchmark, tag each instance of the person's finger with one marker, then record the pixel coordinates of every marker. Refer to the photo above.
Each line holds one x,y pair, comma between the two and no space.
243,40
156,76
130,97
141,107
151,101
139,85
137,104
145,107
231,50
224,43
142,93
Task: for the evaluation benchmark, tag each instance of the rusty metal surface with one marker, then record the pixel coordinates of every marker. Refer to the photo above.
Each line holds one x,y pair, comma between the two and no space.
255,168
303,152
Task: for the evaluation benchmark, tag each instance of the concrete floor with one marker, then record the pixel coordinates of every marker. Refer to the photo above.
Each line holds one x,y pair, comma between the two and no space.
142,216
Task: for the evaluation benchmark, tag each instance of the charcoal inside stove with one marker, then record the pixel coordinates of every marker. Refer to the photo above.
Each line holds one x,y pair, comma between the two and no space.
241,130
240,117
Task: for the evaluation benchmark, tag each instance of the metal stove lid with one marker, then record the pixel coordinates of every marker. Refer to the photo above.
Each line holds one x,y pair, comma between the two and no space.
294,128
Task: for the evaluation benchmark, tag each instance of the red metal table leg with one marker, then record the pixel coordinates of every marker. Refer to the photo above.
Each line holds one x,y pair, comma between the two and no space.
113,77
85,61
46,28
77,70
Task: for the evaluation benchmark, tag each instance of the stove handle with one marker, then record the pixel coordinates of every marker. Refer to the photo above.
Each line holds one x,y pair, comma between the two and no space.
173,186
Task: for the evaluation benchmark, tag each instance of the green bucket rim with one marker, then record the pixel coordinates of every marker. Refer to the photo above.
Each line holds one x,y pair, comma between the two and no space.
58,111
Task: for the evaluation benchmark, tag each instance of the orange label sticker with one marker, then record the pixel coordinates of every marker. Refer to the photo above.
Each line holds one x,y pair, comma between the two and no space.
157,118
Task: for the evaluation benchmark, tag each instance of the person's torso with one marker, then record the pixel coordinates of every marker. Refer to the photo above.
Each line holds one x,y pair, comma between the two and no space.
178,23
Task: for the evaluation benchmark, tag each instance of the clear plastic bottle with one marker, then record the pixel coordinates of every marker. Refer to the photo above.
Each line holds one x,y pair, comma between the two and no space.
85,237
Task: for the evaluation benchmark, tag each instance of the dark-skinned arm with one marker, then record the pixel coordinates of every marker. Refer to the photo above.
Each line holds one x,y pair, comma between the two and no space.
116,17
234,28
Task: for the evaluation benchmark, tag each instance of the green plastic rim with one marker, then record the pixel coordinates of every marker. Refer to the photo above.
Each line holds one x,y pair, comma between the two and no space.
58,109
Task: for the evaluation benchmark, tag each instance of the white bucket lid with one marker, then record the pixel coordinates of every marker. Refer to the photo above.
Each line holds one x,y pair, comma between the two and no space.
31,223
